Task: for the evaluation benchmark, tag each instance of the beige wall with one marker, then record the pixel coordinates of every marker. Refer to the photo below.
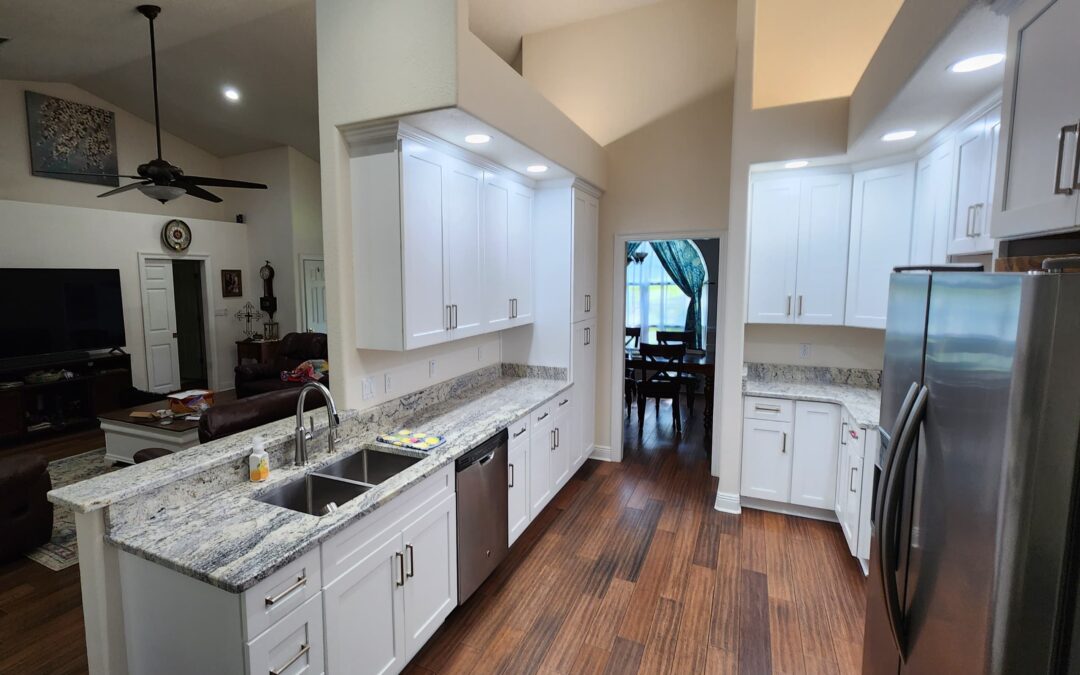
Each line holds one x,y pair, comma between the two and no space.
617,73
134,146
670,176
836,346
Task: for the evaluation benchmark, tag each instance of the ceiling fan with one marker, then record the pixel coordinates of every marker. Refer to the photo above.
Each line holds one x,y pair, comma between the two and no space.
158,179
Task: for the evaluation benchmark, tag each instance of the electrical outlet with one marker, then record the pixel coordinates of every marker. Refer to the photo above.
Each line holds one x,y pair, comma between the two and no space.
387,384
804,350
368,387
480,353
431,368
221,312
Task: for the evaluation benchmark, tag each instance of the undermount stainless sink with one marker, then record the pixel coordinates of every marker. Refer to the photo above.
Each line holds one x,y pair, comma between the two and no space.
312,493
369,466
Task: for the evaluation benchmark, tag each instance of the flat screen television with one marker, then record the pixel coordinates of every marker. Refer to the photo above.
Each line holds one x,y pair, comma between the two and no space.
49,311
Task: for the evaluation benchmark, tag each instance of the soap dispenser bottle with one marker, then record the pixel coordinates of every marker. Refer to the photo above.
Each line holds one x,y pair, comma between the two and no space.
258,461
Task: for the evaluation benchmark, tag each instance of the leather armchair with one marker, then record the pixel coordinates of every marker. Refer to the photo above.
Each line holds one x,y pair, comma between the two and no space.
26,515
259,378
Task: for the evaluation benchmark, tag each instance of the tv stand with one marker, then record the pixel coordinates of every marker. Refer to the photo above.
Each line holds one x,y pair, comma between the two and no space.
98,384
117,350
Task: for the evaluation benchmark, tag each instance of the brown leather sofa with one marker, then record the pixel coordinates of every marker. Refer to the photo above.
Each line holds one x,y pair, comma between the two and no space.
26,515
226,419
259,378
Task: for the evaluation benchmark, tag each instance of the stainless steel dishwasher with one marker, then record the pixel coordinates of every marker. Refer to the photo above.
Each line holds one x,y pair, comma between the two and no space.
481,513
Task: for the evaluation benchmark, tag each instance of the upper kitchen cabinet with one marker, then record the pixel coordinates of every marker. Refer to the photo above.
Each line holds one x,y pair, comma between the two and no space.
798,248
435,239
1037,189
976,148
507,253
881,211
586,219
932,223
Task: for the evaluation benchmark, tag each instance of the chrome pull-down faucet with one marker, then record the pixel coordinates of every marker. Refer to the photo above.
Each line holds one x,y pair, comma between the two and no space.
300,458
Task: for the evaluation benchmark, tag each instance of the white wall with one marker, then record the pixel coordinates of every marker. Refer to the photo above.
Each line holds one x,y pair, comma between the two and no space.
134,146
42,235
836,346
306,195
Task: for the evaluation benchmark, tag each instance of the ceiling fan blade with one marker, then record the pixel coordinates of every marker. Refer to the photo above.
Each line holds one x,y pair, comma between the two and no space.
222,182
96,175
196,191
124,188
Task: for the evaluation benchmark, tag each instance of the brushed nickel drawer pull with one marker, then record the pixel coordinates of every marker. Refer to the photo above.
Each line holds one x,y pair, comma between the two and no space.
401,568
542,417
511,476
783,447
851,479
412,562
767,408
304,648
523,430
563,402
300,582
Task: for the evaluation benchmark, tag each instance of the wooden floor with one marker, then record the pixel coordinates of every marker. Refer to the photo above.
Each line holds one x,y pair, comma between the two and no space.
630,569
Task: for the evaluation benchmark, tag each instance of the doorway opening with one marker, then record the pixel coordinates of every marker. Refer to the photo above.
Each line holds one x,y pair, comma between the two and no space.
190,323
313,292
669,309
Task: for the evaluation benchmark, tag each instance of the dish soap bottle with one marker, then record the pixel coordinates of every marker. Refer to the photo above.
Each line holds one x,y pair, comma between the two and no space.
258,461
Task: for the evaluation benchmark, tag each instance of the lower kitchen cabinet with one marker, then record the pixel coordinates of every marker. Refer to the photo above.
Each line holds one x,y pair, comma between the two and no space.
766,460
564,441
430,582
292,645
541,444
517,507
813,462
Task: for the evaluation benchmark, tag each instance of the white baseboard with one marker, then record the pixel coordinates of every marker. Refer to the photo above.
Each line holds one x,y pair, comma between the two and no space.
789,509
602,453
728,503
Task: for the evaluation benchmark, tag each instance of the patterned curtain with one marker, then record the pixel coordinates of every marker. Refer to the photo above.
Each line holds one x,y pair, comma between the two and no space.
684,265
632,246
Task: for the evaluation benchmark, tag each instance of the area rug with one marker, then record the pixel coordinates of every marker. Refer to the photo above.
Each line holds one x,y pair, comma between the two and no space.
62,551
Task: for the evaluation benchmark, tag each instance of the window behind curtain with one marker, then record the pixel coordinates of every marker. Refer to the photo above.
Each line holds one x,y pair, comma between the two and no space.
653,301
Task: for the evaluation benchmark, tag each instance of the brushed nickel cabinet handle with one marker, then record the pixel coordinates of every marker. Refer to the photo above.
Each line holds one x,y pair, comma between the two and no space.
304,648
401,568
843,433
455,316
783,446
553,440
558,437
300,582
412,562
523,430
510,312
511,476
767,408
542,417
787,311
851,479
563,402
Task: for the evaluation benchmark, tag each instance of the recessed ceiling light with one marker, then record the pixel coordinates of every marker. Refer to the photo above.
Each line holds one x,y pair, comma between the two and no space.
899,135
231,93
477,138
796,164
970,65
536,168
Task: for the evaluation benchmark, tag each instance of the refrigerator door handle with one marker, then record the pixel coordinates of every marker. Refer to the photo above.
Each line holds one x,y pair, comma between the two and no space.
887,544
890,450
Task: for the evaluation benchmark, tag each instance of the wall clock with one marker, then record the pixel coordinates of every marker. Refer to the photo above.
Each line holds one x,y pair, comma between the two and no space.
176,235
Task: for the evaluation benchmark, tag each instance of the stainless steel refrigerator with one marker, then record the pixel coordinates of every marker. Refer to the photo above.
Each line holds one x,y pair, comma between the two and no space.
975,555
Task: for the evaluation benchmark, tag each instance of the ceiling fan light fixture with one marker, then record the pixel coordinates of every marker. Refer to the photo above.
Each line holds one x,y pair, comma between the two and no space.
162,193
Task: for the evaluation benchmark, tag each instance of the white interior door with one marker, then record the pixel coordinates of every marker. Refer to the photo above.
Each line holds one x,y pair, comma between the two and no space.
159,325
314,275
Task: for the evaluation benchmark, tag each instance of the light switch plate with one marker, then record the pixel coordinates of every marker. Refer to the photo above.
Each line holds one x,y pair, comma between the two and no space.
387,384
431,368
221,312
804,350
368,387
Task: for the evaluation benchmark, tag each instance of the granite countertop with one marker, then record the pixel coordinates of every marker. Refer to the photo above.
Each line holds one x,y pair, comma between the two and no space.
232,541
864,403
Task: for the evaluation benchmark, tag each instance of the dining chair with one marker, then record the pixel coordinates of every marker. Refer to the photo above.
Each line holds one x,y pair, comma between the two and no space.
632,337
657,358
686,339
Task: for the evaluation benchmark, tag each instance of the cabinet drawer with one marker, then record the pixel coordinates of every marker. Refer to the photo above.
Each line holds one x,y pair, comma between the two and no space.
293,645
761,408
519,432
341,552
281,592
543,413
563,401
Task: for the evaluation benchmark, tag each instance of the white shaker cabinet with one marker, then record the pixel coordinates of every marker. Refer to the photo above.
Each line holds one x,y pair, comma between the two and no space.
519,253
463,287
423,248
881,211
975,150
1038,186
933,209
583,374
541,445
766,459
507,270
517,474
561,468
586,215
813,464
430,589
798,249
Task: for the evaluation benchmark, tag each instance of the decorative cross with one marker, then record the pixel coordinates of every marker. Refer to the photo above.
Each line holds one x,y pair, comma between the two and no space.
249,314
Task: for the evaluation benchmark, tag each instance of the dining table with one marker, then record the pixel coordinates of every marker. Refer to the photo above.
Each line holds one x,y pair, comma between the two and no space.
693,363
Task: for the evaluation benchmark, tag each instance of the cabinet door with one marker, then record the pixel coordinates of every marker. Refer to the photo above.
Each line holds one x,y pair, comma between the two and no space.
520,248
583,373
586,221
851,486
1042,104
518,481
821,271
881,207
564,439
541,443
766,460
365,613
774,232
430,548
461,229
840,500
984,242
972,181
931,227
813,468
423,251
497,306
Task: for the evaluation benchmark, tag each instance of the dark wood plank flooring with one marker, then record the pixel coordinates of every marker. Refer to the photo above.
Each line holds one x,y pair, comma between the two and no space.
631,570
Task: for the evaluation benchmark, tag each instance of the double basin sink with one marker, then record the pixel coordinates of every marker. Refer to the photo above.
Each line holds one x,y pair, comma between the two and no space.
319,492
